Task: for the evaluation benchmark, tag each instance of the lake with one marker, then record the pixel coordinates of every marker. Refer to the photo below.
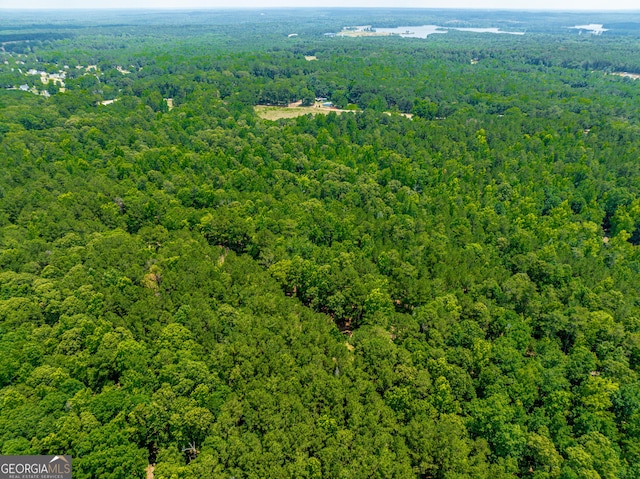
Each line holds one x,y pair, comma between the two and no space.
594,28
423,31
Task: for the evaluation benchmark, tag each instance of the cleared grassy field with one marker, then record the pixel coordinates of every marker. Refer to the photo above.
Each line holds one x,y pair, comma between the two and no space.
278,112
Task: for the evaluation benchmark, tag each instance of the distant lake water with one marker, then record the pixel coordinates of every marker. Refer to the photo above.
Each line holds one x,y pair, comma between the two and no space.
487,30
423,31
594,28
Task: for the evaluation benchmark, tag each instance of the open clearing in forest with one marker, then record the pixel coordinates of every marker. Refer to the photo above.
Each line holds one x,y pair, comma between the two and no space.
635,76
278,112
294,110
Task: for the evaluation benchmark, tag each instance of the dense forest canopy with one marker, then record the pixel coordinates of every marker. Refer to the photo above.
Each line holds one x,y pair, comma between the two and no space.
440,282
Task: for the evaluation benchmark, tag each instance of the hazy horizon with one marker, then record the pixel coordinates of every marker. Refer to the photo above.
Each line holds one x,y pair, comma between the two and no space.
519,5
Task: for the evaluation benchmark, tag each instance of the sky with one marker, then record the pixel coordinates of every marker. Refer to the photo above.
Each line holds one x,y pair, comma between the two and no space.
181,4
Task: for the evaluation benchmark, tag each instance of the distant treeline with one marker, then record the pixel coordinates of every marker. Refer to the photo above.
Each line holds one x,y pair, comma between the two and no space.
29,37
